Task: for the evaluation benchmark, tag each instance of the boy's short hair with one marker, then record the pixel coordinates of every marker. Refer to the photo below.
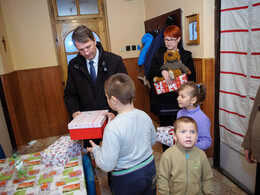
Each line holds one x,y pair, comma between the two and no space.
184,119
122,87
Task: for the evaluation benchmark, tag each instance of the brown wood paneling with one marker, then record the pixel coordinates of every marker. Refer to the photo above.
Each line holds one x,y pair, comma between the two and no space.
142,100
205,73
12,96
35,102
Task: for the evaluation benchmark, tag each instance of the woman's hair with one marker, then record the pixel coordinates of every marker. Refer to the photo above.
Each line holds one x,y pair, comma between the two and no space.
196,90
122,87
172,31
81,34
184,119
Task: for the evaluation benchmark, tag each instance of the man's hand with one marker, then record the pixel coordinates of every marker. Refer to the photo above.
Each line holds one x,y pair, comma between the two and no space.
249,156
92,144
76,114
110,116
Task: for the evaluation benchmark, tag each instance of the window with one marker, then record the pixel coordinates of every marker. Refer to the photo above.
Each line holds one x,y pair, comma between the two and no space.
77,9
70,49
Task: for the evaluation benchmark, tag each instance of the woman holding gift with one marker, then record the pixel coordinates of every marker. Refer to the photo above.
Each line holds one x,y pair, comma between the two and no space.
165,105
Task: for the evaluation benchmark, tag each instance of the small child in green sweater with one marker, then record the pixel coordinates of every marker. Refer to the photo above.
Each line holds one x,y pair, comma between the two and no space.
184,168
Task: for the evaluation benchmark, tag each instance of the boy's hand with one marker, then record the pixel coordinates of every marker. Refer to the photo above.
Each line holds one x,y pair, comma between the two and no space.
92,144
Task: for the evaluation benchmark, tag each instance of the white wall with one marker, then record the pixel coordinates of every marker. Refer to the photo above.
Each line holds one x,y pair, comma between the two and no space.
235,164
205,9
126,25
28,27
6,64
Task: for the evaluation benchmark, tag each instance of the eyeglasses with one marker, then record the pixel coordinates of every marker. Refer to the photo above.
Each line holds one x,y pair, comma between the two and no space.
170,40
85,49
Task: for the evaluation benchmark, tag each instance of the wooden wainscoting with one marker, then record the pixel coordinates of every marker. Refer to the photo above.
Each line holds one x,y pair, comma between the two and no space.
205,73
142,100
35,103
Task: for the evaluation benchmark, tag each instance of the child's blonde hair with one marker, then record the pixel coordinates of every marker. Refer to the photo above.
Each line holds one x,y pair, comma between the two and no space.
196,90
184,119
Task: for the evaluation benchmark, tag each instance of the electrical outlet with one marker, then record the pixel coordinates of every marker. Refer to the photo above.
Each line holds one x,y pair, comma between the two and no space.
133,47
128,48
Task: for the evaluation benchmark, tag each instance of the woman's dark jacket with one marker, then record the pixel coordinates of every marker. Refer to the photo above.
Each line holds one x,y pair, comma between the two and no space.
80,94
166,104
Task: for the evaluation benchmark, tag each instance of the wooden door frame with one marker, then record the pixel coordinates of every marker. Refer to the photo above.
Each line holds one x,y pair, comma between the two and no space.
216,153
100,21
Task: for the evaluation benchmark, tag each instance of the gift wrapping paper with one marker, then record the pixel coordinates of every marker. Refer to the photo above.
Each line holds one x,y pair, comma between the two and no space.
163,87
41,179
88,119
59,153
164,135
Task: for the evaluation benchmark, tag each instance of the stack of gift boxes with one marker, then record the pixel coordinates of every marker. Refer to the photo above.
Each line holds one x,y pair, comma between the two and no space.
87,125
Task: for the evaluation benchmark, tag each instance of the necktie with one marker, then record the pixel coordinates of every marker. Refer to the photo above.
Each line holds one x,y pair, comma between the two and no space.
92,72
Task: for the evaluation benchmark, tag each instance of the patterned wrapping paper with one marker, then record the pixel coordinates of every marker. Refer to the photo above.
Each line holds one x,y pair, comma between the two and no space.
88,119
88,125
164,135
43,180
59,153
163,87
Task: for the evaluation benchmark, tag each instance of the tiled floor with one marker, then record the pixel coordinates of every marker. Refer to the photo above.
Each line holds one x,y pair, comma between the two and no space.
221,184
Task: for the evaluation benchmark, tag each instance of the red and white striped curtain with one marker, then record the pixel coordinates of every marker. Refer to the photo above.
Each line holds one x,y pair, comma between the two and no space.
239,67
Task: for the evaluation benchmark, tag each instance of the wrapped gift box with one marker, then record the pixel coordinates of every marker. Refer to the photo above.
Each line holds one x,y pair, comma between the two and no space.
163,87
88,125
164,135
60,152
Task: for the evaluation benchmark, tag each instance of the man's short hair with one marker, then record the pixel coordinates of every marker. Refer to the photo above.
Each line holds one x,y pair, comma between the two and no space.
81,34
184,119
122,87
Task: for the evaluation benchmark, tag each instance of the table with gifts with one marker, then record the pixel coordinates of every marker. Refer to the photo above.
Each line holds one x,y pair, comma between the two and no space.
43,177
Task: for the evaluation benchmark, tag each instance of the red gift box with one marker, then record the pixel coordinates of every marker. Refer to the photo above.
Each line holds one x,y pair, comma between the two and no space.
163,87
88,125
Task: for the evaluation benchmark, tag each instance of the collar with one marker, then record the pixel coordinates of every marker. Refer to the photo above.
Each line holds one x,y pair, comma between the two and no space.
194,110
184,150
95,58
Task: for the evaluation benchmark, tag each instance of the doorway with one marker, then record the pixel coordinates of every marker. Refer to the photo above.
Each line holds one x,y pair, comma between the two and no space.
66,16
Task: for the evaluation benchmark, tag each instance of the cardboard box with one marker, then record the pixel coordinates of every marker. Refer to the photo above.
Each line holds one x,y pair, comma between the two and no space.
88,125
163,87
164,135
